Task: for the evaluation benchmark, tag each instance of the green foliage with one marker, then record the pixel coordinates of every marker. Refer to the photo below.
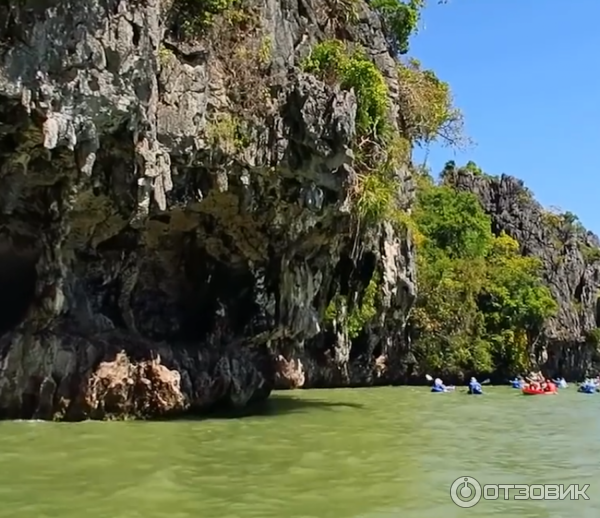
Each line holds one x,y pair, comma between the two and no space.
377,199
591,254
332,61
378,148
227,133
514,295
473,168
354,319
454,223
164,55
426,107
566,225
593,336
195,16
480,303
400,19
569,218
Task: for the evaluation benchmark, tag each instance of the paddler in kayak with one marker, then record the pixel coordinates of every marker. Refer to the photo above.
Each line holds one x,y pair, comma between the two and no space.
588,387
518,382
475,387
438,386
561,383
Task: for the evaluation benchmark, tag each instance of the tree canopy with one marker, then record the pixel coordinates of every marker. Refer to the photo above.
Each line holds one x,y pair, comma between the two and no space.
481,303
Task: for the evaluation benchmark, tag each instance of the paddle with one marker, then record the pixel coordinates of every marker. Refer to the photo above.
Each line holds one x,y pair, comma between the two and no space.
430,378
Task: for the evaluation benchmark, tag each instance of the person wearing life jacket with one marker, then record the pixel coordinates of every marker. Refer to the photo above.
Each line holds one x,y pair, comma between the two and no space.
588,386
518,382
549,386
475,387
438,386
561,383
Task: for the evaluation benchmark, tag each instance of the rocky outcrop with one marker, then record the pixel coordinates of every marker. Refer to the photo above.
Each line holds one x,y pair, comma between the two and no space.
157,256
570,258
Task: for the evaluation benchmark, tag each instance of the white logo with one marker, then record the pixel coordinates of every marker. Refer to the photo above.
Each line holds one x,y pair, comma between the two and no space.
467,492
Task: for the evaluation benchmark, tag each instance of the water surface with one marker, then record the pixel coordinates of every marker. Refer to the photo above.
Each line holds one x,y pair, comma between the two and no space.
364,453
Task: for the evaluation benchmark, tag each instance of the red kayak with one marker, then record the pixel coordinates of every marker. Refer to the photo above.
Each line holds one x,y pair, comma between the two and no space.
528,391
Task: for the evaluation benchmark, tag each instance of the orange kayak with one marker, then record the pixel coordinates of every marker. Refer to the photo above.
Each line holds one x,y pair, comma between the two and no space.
528,391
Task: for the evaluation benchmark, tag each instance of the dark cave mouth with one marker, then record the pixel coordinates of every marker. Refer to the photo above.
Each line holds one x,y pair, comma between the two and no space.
18,280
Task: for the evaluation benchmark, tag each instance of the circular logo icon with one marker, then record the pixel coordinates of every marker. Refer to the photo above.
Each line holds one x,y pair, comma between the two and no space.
465,492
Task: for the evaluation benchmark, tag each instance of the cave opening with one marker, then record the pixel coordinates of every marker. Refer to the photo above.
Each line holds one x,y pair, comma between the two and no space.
365,270
359,347
343,272
367,267
377,351
578,291
18,279
219,296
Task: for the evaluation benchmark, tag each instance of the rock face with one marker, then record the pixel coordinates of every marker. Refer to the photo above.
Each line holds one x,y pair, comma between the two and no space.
152,262
570,258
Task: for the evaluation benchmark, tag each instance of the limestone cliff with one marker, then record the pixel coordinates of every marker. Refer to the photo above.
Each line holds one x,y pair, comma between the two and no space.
570,257
159,255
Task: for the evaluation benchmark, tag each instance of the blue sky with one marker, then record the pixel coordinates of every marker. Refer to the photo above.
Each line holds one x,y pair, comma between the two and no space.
526,74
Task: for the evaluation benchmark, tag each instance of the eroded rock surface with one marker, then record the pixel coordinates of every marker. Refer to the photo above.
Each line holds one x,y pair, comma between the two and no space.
162,266
571,269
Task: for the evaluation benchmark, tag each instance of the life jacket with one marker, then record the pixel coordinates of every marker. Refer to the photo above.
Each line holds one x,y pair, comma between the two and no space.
475,386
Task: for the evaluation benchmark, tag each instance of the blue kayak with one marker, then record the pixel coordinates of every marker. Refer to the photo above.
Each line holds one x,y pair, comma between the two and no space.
587,389
440,390
517,384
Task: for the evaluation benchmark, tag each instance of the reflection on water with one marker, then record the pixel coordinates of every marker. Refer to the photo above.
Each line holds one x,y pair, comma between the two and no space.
370,453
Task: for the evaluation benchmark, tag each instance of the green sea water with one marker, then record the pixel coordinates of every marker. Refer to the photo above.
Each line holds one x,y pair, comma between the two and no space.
353,453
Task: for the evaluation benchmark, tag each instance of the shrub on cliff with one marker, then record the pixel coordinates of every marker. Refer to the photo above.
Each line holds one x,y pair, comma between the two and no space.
193,17
481,304
426,107
378,148
333,62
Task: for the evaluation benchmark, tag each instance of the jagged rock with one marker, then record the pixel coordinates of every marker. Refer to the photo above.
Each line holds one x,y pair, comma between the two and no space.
58,375
124,388
570,268
143,236
288,374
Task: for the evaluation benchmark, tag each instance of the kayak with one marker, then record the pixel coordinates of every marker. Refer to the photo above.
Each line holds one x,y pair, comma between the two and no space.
528,391
587,389
441,390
